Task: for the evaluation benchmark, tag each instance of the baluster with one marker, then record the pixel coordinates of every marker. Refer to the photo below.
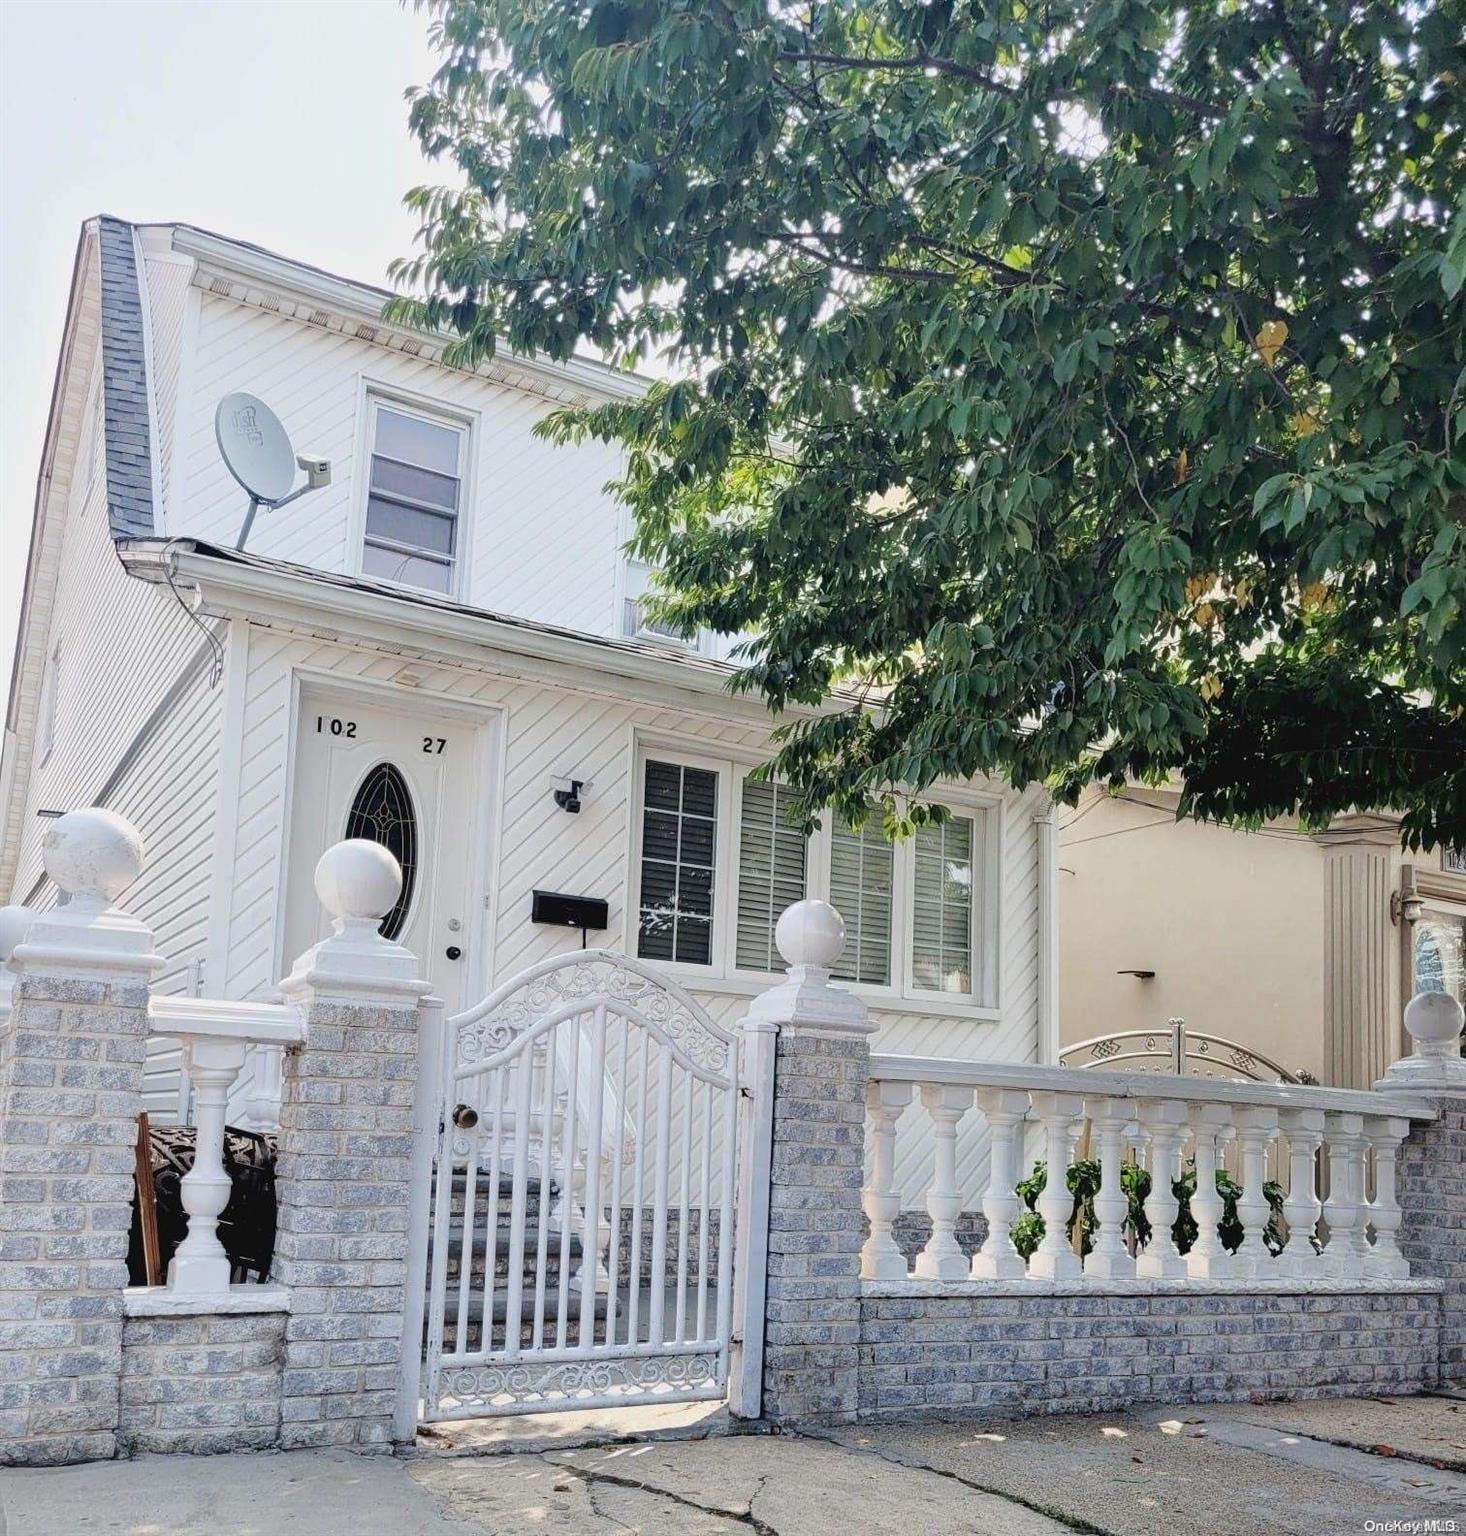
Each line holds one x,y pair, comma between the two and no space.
1256,1127
199,1265
942,1259
1164,1123
1301,1209
1384,1260
998,1259
1110,1258
1211,1124
880,1258
1344,1210
1061,1115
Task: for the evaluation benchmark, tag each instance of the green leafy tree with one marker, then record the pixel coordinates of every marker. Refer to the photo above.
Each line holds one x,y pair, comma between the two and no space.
1077,386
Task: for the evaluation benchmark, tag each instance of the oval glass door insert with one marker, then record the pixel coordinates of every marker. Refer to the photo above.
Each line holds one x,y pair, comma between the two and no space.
382,812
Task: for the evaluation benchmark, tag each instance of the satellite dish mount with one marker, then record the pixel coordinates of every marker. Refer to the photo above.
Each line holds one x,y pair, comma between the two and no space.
257,452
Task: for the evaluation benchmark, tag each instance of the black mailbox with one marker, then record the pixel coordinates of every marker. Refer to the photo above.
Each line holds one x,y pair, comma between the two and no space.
584,912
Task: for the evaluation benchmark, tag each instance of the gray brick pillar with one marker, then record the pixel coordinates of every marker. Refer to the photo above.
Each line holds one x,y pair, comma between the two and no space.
344,1172
71,1077
1431,1169
819,1039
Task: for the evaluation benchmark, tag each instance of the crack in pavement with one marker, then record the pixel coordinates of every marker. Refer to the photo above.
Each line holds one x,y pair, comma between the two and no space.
915,1464
590,1475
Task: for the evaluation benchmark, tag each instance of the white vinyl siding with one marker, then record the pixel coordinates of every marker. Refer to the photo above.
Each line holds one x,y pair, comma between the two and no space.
414,493
771,871
861,869
941,920
679,840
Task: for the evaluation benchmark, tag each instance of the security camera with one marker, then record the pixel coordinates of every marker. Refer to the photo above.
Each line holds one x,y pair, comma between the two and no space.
317,469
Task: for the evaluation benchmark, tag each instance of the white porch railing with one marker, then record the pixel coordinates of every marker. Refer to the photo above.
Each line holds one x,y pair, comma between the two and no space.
215,1036
1334,1151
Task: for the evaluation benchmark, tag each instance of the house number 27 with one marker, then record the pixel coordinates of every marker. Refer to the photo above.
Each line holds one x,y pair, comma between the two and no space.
434,744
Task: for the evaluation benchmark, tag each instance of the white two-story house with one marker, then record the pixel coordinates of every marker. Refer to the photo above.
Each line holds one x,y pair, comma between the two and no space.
424,652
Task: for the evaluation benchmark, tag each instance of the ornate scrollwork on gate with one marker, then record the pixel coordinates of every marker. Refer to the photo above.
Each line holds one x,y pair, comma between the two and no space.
527,1380
587,978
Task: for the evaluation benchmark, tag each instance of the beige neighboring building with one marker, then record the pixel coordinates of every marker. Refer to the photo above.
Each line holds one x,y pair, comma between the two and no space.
1304,948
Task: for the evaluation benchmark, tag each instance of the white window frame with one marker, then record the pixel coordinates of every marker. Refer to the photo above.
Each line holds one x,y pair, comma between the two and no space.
723,974
637,574
438,413
46,706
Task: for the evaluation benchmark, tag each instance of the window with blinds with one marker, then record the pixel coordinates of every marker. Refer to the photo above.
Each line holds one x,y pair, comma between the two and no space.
679,838
771,869
941,901
413,500
861,868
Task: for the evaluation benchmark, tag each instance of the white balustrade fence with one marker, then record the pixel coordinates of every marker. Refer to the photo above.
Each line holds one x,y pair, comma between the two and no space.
1334,1152
215,1037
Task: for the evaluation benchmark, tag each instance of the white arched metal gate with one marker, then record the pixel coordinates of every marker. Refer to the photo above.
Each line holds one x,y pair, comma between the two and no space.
582,1192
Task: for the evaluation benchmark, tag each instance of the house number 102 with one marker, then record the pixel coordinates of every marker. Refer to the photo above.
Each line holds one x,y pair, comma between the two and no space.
334,726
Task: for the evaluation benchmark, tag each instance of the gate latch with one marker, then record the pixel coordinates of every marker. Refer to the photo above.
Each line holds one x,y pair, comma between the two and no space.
465,1116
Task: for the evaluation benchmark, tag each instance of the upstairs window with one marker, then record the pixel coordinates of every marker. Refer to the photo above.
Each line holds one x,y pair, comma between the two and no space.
414,495
636,622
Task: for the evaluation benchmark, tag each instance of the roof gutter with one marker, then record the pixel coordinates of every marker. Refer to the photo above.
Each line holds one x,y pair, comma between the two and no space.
299,600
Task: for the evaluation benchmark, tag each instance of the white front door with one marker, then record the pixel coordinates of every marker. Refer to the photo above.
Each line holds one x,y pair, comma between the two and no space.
405,779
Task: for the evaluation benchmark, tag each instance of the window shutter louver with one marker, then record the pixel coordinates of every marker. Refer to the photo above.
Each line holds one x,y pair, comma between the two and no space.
860,891
771,871
941,926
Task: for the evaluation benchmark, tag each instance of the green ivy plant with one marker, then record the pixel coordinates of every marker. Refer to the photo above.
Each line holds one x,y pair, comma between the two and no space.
1083,1181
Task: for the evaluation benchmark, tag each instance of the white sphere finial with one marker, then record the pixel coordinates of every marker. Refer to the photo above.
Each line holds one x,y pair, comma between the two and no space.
92,855
1433,1020
358,879
810,933
15,923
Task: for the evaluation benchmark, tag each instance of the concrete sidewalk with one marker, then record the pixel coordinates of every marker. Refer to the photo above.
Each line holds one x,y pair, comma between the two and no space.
1311,1468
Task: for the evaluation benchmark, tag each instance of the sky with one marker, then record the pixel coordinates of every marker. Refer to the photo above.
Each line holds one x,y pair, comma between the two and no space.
283,124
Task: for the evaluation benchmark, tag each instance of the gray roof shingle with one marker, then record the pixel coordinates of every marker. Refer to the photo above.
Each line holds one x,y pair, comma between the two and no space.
125,387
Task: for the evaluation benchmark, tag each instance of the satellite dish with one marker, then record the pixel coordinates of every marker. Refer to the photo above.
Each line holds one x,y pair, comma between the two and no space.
255,448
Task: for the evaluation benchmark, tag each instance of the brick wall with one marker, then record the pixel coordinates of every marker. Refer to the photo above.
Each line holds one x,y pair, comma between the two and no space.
1432,1173
71,1068
345,1192
816,1227
201,1384
1003,1351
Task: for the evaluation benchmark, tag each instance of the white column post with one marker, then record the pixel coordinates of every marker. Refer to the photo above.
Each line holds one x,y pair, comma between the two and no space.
1384,1261
1302,1207
15,923
1061,1115
1211,1124
1164,1124
998,1259
880,1258
199,1266
1110,1259
1344,1209
942,1259
1256,1127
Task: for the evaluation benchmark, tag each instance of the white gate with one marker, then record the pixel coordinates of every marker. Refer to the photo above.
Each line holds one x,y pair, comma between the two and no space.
582,1196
